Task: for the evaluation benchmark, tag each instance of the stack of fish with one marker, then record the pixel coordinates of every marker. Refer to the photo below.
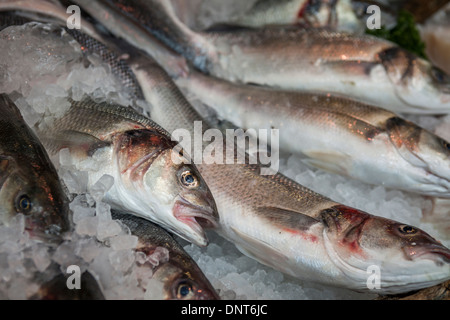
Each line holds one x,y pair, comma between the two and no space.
338,100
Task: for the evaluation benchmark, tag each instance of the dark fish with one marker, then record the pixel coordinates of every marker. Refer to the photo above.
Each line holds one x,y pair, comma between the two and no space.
29,183
180,276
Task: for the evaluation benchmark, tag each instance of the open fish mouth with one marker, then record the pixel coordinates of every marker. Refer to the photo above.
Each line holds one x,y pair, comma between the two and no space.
435,252
198,218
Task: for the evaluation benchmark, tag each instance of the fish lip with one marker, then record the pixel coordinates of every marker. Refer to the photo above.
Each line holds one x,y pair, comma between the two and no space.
432,251
196,217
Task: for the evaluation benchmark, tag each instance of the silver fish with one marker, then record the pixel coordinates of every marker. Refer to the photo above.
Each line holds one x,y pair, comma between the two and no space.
150,177
295,230
179,276
358,66
29,183
334,133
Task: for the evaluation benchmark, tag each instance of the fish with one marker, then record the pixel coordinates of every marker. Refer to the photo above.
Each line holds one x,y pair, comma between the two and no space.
293,229
304,59
334,133
48,10
338,15
57,289
151,178
180,277
29,183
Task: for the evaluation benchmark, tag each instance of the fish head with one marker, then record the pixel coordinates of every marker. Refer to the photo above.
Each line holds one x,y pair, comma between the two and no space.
181,279
38,196
183,201
191,202
406,257
425,151
417,82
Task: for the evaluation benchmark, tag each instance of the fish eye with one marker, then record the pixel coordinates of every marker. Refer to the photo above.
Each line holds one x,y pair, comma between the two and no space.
189,179
23,204
406,229
439,75
185,290
446,145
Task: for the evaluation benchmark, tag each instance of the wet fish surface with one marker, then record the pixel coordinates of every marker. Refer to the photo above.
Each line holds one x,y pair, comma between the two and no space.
139,155
179,276
29,183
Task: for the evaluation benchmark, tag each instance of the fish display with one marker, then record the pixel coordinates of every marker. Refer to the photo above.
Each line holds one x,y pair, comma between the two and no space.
29,183
319,88
138,154
180,277
307,59
295,230
334,133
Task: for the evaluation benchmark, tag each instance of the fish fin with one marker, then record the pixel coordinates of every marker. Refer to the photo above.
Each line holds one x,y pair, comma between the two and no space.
259,250
331,161
74,140
4,165
286,218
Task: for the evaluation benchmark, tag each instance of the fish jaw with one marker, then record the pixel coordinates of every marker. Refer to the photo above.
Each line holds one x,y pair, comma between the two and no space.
357,242
196,218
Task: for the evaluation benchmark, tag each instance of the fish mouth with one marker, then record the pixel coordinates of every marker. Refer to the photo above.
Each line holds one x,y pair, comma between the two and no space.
435,252
198,218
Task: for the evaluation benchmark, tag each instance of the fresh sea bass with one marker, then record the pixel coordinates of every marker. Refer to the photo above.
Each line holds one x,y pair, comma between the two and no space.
150,179
29,183
357,66
334,133
179,277
295,230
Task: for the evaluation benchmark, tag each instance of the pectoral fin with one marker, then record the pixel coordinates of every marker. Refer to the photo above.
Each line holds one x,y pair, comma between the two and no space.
74,140
259,250
330,161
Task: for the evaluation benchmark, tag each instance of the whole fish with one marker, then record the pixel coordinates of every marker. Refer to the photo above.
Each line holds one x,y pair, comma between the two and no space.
150,177
358,66
179,276
334,133
293,229
29,183
56,289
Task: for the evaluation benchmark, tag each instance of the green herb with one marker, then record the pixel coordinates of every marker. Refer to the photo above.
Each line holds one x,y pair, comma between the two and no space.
405,34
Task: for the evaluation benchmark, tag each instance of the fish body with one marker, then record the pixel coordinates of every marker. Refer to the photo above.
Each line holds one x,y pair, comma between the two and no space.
295,230
29,183
306,59
150,178
334,133
179,276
